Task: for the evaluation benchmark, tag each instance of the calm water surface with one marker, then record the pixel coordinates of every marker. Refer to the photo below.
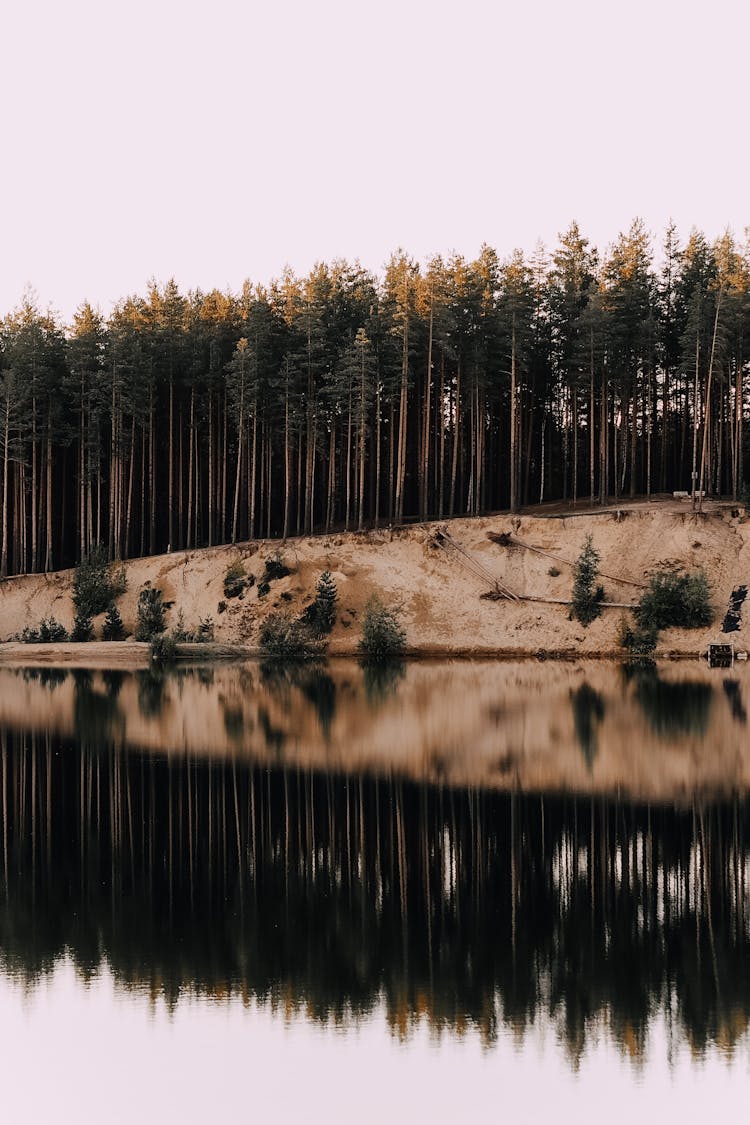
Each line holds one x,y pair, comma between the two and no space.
510,890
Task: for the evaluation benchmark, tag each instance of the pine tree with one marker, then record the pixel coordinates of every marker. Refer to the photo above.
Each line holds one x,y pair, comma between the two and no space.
150,614
587,596
83,629
113,630
325,601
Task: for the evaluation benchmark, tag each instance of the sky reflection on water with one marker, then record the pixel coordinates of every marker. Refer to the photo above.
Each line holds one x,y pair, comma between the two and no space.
114,1057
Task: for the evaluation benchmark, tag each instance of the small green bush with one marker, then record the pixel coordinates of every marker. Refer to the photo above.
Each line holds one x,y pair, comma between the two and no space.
150,614
263,588
202,634
587,595
639,640
382,638
275,568
113,629
673,598
163,649
180,633
49,631
553,572
96,583
235,579
283,637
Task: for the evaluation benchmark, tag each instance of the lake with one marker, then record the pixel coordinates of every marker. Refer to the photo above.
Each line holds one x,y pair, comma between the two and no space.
328,894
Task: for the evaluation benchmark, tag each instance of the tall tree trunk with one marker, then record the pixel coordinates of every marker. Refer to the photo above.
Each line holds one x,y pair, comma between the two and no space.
191,469
513,462
424,468
238,475
48,545
170,453
402,421
706,418
592,422
6,446
456,433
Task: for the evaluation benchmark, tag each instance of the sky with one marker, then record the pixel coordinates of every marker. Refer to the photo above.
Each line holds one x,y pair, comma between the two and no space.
214,142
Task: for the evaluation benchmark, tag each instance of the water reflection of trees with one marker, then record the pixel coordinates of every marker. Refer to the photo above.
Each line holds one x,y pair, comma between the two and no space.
588,712
467,907
672,708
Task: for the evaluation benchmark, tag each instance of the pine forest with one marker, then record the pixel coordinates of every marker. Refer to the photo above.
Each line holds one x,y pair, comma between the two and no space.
344,400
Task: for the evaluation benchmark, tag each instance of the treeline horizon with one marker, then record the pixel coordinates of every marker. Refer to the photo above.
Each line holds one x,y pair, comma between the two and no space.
344,400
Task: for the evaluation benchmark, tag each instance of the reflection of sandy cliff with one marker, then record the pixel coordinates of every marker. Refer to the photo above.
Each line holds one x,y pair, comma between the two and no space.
582,727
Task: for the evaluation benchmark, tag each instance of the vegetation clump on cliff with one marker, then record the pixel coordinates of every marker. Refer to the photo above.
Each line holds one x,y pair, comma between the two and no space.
151,611
383,637
48,631
320,615
96,583
587,594
674,598
283,637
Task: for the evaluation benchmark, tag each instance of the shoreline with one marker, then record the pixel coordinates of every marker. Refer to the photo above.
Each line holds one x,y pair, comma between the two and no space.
136,655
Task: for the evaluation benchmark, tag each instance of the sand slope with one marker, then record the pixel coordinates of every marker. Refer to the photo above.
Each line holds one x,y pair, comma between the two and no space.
440,598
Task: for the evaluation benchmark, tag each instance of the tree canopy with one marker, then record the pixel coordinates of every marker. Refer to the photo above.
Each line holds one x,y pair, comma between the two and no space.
343,399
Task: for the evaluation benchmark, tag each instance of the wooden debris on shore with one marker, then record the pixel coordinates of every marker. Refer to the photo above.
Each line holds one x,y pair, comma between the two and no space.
507,539
498,590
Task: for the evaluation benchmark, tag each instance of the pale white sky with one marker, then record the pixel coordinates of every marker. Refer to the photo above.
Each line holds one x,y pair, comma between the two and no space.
217,141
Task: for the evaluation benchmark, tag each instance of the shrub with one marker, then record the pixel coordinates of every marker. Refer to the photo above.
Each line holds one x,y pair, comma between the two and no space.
83,629
639,640
202,634
587,596
283,637
180,633
553,572
96,583
113,630
263,588
163,649
221,607
275,568
674,597
382,638
150,614
49,631
320,615
235,579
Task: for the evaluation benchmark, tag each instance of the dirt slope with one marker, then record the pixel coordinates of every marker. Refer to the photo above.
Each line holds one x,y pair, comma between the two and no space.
440,596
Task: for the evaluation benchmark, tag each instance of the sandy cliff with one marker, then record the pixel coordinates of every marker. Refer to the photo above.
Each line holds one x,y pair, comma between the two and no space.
439,595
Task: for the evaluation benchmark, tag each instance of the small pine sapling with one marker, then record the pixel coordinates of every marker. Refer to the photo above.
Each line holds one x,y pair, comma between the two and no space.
320,615
150,614
587,595
113,629
83,629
